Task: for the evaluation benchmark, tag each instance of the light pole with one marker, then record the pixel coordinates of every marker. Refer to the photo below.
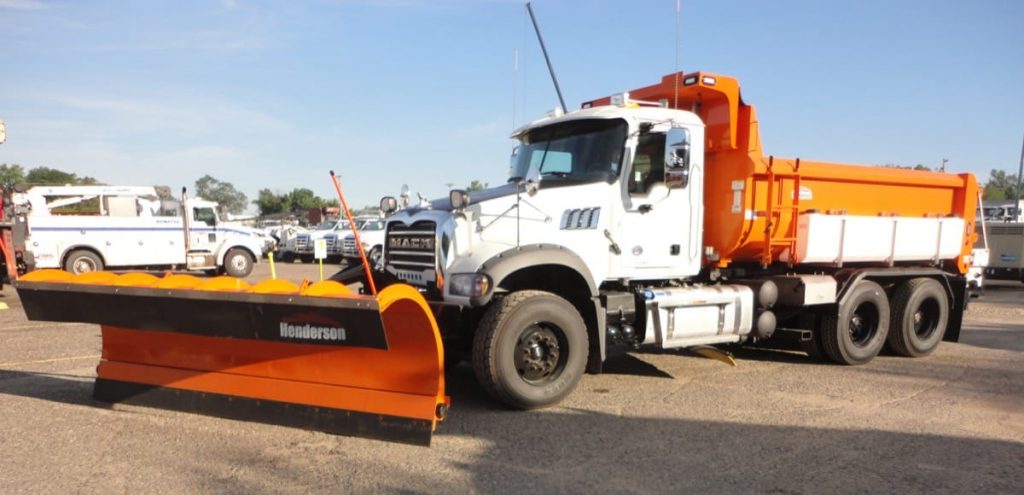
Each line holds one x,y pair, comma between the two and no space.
943,167
1020,170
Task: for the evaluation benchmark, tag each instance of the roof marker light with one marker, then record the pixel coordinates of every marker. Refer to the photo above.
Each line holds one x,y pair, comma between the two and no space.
710,81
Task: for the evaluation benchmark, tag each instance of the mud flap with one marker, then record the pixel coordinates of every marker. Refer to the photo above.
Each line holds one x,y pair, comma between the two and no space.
318,357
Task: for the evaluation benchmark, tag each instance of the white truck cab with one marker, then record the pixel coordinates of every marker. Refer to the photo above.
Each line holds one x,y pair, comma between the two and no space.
87,228
572,214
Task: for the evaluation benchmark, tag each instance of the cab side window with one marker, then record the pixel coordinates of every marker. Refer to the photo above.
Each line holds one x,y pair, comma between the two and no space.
205,215
648,163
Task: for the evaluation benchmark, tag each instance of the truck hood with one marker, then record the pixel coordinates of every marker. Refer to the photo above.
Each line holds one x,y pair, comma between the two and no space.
477,197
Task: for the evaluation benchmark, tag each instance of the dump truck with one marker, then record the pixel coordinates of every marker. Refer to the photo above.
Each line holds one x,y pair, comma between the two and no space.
646,220
652,218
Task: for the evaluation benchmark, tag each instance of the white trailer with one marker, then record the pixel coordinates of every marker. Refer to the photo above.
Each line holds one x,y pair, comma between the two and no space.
87,228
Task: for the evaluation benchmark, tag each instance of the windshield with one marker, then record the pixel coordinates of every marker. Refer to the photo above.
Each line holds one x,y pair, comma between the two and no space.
372,225
581,149
333,225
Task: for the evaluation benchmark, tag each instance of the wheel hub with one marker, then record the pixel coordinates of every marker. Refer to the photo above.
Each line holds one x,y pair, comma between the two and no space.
537,353
863,324
926,319
83,265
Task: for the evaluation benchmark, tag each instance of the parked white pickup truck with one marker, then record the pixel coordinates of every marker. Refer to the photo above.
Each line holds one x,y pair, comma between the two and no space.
371,235
87,228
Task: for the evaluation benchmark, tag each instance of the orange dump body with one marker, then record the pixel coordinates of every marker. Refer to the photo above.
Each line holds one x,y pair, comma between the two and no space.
751,204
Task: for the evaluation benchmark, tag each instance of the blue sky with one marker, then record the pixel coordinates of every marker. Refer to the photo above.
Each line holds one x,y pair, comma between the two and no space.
275,94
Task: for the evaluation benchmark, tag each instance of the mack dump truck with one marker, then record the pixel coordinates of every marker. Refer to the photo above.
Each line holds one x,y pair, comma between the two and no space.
647,219
652,218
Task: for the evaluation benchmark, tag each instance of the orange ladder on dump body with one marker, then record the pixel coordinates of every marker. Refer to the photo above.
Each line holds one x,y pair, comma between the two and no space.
775,207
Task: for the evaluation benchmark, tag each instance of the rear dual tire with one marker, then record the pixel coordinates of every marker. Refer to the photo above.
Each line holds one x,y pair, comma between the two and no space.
857,331
920,314
910,324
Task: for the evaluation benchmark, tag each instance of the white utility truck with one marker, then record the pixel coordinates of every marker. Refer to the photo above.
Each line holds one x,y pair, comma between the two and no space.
1006,248
88,228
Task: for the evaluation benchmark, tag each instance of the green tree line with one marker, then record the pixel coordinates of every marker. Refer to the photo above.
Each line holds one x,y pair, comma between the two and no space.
299,200
11,174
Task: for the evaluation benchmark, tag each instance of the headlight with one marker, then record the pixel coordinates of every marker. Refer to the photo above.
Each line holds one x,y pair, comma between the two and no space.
469,284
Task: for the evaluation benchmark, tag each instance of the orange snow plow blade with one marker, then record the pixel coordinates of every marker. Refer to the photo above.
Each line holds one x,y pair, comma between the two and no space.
316,357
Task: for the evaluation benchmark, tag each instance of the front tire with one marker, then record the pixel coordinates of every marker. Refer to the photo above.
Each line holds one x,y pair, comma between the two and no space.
374,257
920,313
530,349
238,263
83,261
855,333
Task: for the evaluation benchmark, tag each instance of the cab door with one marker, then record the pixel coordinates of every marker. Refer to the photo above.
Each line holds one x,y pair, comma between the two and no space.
203,229
661,225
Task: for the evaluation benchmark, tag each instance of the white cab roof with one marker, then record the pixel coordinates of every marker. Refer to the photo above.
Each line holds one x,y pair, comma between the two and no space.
630,112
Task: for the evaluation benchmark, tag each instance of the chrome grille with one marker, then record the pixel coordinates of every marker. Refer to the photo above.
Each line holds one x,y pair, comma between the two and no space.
348,248
411,247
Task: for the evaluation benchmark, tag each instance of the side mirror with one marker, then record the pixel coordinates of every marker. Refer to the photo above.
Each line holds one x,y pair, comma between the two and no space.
388,205
677,158
458,198
513,158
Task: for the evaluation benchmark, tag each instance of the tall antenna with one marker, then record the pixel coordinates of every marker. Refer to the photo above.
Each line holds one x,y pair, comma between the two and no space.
546,58
515,84
676,91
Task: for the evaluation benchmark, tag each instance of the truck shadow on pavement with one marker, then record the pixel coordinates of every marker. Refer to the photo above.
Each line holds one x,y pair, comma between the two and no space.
56,387
574,450
483,447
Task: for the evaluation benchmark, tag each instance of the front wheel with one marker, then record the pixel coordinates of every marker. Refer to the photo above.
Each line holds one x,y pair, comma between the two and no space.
237,263
530,349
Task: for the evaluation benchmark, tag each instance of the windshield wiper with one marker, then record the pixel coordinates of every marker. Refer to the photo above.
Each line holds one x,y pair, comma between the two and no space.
560,175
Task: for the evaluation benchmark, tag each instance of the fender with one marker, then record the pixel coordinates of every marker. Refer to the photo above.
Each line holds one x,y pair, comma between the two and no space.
507,262
500,266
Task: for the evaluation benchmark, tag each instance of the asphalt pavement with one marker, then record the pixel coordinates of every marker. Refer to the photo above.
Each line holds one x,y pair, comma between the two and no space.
657,422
